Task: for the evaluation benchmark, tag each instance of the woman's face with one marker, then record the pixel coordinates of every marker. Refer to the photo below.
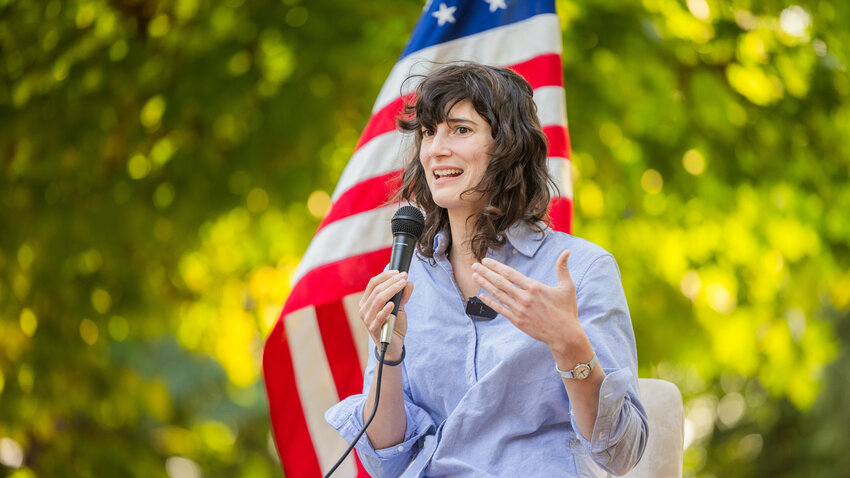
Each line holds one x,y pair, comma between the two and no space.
455,155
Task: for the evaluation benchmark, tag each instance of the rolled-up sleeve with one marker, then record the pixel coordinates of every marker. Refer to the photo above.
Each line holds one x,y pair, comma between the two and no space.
621,430
347,418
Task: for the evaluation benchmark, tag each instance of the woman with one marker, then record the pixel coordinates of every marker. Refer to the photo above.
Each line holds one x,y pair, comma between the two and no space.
473,396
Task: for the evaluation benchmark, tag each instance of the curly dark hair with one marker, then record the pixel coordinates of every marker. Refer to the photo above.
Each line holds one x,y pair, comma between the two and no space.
516,183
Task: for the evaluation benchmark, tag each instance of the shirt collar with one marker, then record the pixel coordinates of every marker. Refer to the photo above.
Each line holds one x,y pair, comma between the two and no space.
524,238
521,236
441,243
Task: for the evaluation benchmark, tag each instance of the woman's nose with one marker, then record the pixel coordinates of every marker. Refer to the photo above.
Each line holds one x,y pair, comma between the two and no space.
439,145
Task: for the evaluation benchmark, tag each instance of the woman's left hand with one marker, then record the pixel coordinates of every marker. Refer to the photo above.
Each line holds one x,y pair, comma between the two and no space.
548,314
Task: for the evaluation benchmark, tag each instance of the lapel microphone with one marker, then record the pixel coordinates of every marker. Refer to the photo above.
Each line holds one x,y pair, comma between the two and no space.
476,309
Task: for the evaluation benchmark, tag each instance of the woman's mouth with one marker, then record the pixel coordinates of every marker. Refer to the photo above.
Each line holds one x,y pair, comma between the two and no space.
447,173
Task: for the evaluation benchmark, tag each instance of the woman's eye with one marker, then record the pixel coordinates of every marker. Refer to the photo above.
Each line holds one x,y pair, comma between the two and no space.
427,132
462,130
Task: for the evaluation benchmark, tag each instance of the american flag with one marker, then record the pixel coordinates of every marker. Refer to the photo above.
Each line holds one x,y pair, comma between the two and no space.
316,352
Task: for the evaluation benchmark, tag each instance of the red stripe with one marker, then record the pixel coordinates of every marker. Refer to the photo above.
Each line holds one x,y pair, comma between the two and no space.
543,70
289,425
559,141
330,282
361,471
363,196
383,121
561,214
341,351
340,348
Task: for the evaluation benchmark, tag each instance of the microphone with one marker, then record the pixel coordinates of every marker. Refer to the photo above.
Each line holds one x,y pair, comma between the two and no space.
407,225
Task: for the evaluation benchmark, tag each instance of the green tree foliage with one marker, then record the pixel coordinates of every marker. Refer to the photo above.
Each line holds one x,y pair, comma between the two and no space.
163,165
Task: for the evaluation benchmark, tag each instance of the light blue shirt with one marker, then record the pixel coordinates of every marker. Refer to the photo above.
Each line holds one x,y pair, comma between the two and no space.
482,398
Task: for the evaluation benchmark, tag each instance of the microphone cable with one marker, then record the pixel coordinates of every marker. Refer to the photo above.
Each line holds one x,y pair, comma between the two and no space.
371,417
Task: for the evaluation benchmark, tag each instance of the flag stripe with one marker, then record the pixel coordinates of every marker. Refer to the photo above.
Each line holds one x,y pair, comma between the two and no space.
339,348
383,120
559,141
560,170
351,303
551,105
561,214
315,386
365,195
289,424
363,232
507,45
329,281
382,155
542,70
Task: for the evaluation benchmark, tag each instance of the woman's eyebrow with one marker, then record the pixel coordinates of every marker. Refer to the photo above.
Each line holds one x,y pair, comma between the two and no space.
459,120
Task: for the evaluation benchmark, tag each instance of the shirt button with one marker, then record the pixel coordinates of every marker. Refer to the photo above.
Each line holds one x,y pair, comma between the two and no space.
400,448
514,251
471,380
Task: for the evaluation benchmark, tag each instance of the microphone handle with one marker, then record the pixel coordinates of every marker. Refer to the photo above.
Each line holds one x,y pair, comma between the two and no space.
402,253
389,325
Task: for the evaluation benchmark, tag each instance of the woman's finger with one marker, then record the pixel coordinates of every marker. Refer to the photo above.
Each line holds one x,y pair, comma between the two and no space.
380,318
408,289
369,304
375,282
391,289
492,289
497,280
508,272
498,307
383,293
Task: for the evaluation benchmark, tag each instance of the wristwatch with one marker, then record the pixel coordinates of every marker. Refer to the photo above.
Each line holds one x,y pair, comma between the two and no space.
580,371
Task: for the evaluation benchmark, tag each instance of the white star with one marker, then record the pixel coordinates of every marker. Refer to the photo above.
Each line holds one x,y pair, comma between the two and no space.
445,14
496,4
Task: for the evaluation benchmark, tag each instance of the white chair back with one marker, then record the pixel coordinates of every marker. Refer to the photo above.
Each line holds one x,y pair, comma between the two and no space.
663,455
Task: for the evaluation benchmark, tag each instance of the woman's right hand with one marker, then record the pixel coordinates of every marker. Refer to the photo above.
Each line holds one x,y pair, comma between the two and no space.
375,308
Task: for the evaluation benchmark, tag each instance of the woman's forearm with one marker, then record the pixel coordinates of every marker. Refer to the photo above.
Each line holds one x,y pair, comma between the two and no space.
390,423
583,394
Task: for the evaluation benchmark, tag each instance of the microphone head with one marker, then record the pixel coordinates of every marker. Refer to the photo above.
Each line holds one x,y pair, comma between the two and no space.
408,220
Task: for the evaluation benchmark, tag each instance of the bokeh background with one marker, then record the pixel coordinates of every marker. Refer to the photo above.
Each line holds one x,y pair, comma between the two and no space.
164,163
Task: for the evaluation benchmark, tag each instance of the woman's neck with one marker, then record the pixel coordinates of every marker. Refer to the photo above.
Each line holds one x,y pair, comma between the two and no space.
461,230
460,254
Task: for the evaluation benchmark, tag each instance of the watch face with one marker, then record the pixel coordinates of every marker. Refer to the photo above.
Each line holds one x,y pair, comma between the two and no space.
581,371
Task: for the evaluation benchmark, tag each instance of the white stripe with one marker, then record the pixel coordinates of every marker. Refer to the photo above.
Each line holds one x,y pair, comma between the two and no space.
382,154
316,388
551,105
560,169
507,45
350,236
351,303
